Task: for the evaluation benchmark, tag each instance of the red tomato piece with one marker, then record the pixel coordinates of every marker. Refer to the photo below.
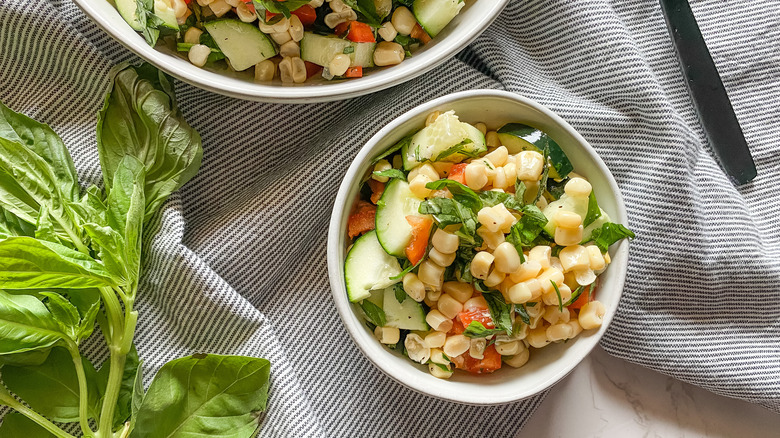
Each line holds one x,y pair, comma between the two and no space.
457,328
305,13
480,315
421,231
489,363
458,173
377,188
361,33
419,33
583,298
354,72
312,69
362,219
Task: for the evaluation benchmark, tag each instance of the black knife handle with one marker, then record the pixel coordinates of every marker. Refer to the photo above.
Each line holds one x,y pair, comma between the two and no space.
709,96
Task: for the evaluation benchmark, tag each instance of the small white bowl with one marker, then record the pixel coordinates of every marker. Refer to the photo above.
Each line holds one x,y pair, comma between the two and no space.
547,365
475,17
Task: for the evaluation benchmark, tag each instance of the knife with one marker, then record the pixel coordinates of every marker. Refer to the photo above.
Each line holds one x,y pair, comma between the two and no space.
710,100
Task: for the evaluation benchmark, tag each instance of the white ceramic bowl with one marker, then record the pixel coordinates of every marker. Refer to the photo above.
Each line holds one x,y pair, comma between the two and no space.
546,366
475,17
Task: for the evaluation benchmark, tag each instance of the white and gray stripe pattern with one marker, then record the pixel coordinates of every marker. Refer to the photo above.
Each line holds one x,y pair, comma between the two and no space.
238,265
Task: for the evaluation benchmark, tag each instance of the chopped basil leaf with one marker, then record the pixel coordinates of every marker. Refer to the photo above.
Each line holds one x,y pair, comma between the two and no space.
558,292
576,294
528,228
610,233
523,313
348,50
556,188
594,212
457,149
500,311
395,148
520,191
443,367
374,313
391,173
447,211
490,198
460,193
477,330
400,293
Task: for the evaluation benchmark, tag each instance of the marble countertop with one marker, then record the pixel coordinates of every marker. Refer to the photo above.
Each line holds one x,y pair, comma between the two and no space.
611,398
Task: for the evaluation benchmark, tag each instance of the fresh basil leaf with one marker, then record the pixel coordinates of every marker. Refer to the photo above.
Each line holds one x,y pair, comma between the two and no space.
373,313
109,246
406,141
515,237
26,324
51,388
27,263
44,142
27,358
520,189
44,228
460,193
594,212
492,198
137,397
140,118
400,293
126,215
15,199
523,312
205,395
65,314
11,225
39,182
610,233
16,425
391,173
500,311
477,330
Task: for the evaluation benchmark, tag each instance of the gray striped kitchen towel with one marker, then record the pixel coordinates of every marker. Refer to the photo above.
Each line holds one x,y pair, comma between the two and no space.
237,264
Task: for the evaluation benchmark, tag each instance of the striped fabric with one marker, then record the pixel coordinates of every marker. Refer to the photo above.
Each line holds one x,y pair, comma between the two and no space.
237,260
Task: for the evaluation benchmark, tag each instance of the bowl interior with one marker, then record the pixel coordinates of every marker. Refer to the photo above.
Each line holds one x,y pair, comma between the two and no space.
473,19
547,365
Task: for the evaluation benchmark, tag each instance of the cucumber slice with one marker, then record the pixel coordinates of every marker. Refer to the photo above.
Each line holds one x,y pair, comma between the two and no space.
408,315
392,229
164,10
128,9
243,44
435,142
368,267
519,137
598,223
435,15
577,205
320,50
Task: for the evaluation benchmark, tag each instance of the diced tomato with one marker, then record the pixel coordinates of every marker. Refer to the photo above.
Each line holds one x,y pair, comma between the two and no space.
481,315
489,363
362,220
354,72
356,32
377,188
419,33
457,327
421,231
458,173
305,13
312,69
583,298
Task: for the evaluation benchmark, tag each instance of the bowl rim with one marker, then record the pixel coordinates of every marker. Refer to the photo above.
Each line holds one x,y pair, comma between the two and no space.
205,79
335,239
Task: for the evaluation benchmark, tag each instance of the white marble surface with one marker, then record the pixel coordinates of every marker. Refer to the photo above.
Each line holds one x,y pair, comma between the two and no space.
611,398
